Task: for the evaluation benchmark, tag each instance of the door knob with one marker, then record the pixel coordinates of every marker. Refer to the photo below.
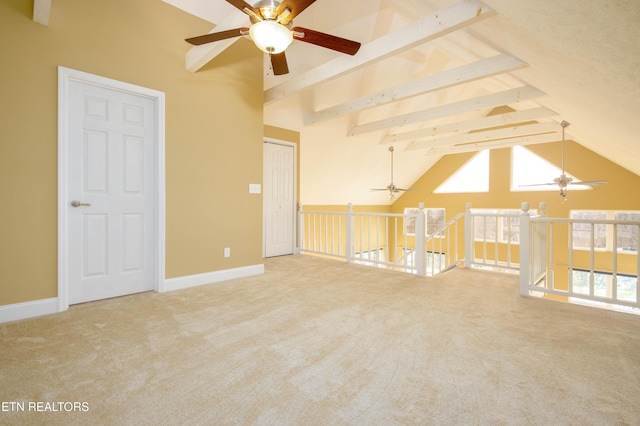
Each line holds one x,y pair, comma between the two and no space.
76,203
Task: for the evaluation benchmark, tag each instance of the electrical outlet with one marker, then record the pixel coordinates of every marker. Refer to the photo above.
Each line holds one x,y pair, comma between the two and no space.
227,252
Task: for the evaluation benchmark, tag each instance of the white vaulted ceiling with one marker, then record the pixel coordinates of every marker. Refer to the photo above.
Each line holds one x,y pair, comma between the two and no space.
429,72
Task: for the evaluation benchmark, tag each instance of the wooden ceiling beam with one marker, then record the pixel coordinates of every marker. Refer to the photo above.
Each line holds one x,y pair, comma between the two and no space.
506,97
486,136
501,143
475,124
444,21
484,68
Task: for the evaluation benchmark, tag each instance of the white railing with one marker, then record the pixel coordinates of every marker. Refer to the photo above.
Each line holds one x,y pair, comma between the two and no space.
375,239
382,239
492,240
540,248
552,265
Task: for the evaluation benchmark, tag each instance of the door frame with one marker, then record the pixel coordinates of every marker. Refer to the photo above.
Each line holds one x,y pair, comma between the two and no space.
65,77
295,195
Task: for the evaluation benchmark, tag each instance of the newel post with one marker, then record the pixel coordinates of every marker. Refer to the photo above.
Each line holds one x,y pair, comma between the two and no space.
468,236
300,228
420,255
525,249
349,246
543,209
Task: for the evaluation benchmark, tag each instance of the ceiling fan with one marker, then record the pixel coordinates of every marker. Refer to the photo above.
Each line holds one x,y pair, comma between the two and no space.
563,181
392,188
272,31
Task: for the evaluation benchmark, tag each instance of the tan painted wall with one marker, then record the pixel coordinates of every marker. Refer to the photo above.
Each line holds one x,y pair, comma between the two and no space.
580,162
213,133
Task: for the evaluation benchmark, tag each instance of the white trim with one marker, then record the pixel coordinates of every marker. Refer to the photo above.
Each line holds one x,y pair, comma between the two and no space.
296,249
180,283
65,75
34,308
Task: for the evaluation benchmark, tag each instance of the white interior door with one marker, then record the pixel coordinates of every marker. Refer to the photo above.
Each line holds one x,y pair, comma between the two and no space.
279,199
111,177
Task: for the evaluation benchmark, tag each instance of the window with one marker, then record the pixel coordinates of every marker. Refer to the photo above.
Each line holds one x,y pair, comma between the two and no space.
473,176
501,224
528,168
583,233
626,285
627,235
485,227
435,219
511,226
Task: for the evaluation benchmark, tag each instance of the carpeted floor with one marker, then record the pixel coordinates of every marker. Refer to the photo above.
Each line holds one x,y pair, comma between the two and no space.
317,341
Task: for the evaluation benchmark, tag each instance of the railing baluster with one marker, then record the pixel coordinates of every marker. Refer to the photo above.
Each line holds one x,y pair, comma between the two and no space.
570,278
614,265
495,244
592,291
551,268
386,238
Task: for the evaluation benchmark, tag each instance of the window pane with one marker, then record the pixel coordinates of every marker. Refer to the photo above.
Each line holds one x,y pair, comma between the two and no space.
627,238
435,220
627,288
484,226
471,177
580,282
511,226
582,232
410,222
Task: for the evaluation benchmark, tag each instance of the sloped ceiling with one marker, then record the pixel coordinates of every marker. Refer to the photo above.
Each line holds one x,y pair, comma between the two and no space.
430,71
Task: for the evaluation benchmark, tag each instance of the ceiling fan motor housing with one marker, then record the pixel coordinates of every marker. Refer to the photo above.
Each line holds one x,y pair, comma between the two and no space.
267,9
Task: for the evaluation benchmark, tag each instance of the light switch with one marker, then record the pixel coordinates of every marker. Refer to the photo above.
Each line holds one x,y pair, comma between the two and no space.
255,188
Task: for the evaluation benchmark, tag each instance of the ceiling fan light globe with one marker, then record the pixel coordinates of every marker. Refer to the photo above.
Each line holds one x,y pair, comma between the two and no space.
270,37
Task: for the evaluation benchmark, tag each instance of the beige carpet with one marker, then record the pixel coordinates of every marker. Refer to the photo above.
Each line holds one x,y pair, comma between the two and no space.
317,341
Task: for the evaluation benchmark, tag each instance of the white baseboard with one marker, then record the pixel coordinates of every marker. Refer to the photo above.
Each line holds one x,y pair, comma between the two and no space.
34,308
211,277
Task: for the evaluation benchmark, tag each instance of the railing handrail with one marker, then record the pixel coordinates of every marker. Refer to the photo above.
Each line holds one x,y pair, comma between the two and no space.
594,221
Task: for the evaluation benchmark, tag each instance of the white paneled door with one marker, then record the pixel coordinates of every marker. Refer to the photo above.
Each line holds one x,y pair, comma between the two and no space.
111,178
279,199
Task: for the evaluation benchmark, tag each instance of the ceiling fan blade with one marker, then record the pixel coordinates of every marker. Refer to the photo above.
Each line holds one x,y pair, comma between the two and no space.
406,190
241,5
326,40
379,189
591,183
539,184
279,63
222,35
294,6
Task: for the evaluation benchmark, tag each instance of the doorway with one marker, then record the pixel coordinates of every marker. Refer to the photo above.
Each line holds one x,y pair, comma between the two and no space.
111,188
279,198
